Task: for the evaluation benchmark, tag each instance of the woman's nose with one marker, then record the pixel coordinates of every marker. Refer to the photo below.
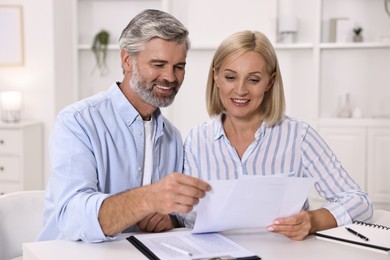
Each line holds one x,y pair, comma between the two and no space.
241,89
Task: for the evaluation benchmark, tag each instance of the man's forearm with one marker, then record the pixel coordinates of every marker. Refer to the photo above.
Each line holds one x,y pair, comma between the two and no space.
123,210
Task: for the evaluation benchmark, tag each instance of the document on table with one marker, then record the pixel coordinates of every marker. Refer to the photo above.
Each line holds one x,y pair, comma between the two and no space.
250,202
177,245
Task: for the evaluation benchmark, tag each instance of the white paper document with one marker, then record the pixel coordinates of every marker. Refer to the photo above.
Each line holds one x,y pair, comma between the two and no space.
184,245
250,202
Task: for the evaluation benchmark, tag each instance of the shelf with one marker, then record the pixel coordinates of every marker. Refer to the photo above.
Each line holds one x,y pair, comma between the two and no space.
214,46
204,46
277,46
293,46
355,122
355,45
87,47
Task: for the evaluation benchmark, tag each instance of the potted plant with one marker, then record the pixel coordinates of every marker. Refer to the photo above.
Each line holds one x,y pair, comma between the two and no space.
357,37
99,49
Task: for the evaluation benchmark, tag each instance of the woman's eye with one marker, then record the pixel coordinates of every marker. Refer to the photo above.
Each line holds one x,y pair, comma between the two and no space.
229,78
254,81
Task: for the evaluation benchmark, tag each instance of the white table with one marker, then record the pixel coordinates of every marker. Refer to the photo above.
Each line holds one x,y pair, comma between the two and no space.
266,245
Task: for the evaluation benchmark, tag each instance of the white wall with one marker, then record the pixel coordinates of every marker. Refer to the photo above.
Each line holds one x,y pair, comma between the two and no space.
45,77
49,77
209,22
35,79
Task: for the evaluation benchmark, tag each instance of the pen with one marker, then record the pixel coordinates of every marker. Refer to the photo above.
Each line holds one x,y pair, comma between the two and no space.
357,234
179,250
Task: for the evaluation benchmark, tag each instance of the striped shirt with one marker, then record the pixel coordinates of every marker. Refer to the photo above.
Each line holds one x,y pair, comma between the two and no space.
289,147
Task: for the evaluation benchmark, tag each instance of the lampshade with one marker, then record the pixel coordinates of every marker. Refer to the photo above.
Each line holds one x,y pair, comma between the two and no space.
11,105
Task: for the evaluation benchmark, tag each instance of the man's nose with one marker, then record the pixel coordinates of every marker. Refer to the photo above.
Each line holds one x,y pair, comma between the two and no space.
169,74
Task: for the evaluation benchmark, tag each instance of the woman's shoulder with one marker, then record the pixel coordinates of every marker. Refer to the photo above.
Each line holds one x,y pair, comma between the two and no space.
207,128
292,123
293,120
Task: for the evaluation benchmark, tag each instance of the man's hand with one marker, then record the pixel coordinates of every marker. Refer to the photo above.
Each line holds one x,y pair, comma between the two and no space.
176,193
150,205
298,226
156,222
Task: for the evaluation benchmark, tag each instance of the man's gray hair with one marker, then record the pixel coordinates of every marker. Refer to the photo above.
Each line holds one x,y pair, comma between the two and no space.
151,24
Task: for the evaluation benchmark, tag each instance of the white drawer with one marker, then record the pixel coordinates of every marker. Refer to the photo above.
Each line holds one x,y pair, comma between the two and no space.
6,187
9,168
10,142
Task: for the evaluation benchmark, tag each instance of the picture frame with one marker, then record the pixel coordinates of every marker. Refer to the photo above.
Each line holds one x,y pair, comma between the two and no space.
11,35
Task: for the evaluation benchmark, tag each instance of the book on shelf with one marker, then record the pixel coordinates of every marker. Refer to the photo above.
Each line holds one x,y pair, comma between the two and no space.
373,237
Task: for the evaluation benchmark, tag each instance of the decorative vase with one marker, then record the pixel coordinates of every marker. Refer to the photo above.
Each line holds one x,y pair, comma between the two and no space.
357,38
345,109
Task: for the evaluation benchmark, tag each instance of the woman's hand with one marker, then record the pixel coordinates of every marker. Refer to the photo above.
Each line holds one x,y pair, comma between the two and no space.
298,226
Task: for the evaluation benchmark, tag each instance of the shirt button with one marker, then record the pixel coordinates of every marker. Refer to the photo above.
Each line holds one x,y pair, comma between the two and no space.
139,168
139,133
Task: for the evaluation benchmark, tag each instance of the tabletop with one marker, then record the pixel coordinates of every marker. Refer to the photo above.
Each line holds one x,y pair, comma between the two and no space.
264,244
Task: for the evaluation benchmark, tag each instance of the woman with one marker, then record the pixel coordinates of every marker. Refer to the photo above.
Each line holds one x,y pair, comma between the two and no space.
250,135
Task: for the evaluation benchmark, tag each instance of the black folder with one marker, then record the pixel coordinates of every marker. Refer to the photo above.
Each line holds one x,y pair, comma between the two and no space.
150,255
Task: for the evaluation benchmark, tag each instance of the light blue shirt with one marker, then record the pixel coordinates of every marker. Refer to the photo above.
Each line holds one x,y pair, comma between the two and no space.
290,146
97,150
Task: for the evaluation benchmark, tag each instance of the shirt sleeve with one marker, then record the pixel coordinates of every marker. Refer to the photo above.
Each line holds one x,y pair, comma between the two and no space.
345,199
74,183
190,168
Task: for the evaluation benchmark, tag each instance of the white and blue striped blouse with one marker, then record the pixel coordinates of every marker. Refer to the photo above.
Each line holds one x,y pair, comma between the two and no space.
290,146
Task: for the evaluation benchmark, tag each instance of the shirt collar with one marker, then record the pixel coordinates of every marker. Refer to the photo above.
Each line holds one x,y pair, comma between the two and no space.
127,111
218,127
220,132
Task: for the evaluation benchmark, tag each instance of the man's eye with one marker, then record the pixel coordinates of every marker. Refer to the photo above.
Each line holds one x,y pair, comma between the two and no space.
180,67
159,65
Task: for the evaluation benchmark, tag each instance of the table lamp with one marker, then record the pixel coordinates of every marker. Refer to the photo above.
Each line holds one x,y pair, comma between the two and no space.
11,104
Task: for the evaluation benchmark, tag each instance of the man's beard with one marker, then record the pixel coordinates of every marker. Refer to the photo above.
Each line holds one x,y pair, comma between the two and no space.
145,92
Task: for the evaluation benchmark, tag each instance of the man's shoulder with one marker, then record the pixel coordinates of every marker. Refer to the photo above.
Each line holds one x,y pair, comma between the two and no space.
94,102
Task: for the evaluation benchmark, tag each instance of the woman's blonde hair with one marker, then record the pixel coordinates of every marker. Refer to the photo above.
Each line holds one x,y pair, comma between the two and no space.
273,105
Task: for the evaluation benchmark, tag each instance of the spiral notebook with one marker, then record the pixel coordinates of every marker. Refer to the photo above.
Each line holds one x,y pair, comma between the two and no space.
364,235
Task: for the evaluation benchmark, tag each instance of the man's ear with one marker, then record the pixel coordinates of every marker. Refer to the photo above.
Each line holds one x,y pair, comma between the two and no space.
126,61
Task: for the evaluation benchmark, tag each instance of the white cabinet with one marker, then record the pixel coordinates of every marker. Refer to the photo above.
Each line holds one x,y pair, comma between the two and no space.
316,73
349,145
355,68
363,147
21,157
378,165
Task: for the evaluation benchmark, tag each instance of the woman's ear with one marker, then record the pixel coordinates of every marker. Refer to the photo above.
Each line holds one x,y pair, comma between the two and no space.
215,75
126,60
271,82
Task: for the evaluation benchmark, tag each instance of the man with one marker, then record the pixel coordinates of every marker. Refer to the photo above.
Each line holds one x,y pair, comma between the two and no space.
112,154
